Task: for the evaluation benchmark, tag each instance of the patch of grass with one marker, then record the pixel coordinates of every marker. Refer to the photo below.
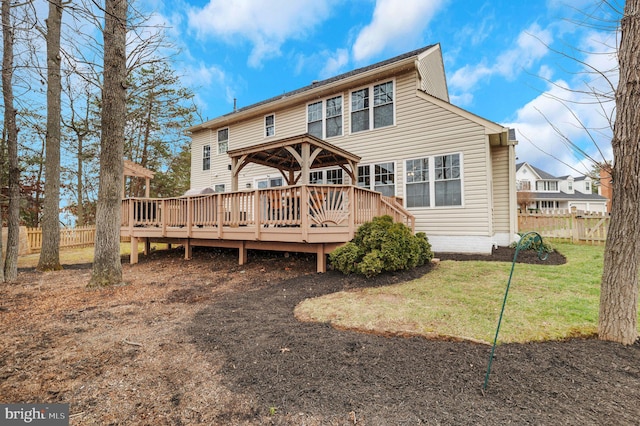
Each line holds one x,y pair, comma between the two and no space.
463,300
74,256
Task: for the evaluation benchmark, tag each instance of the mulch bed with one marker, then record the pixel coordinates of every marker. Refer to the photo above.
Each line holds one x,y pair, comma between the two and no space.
302,372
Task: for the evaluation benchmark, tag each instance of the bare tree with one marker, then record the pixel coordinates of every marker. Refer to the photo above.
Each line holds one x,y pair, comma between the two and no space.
10,131
50,252
10,272
107,268
618,314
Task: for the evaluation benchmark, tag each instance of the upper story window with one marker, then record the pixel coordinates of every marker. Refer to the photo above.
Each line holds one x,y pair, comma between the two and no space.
434,181
324,118
587,186
523,185
363,117
314,119
270,125
570,186
223,141
547,185
206,157
383,105
333,121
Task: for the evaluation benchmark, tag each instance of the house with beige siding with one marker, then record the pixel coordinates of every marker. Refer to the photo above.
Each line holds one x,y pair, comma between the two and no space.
451,169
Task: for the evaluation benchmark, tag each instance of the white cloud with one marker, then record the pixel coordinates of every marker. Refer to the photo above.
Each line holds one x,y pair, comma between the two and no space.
335,63
569,106
566,110
394,22
265,25
530,46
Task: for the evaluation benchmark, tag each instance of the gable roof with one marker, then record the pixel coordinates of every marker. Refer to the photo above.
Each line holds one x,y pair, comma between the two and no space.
408,57
541,173
283,154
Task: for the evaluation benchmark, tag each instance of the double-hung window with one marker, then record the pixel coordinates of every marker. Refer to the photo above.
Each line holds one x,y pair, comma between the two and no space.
331,177
363,117
223,141
360,110
269,125
418,189
383,105
333,117
206,157
547,185
324,118
314,119
434,181
379,177
448,182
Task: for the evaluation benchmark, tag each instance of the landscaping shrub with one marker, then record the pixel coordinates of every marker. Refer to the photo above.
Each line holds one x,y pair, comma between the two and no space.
382,245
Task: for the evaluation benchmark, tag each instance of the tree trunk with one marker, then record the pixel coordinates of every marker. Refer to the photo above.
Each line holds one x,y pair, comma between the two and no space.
80,184
50,252
107,268
10,269
618,314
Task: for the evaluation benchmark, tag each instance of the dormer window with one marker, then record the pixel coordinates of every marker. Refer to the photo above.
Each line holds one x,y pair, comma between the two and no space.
547,185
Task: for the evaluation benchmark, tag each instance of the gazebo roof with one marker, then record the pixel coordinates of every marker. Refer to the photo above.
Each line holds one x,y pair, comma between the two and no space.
294,154
136,170
285,154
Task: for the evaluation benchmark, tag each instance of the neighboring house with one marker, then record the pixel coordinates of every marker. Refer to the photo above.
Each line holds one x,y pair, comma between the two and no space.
453,170
539,191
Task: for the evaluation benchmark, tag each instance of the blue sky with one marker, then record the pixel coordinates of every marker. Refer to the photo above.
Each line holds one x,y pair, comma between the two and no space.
505,60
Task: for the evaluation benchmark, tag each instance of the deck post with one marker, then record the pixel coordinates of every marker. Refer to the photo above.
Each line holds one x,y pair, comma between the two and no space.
322,259
189,216
219,214
257,213
352,212
188,252
147,246
242,253
305,203
133,258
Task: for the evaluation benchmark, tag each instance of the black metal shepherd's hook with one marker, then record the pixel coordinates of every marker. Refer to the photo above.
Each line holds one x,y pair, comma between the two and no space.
525,243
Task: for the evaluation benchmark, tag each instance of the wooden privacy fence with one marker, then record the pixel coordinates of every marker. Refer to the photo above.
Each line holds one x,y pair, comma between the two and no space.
573,226
69,237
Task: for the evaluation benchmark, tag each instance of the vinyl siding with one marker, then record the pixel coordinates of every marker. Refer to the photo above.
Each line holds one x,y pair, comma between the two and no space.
422,128
200,178
432,76
501,189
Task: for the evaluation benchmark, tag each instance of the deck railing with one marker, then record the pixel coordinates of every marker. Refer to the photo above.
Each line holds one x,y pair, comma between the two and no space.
289,206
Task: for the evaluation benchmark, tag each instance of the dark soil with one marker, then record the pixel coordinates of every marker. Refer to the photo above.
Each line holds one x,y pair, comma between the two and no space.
307,371
209,342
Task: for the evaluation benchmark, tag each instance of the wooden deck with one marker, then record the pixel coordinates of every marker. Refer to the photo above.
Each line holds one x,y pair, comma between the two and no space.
301,218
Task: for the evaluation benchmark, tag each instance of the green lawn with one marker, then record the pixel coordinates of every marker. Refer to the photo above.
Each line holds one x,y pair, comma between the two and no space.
70,256
463,300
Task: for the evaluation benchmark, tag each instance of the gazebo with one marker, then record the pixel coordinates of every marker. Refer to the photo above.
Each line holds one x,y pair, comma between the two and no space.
132,169
294,157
